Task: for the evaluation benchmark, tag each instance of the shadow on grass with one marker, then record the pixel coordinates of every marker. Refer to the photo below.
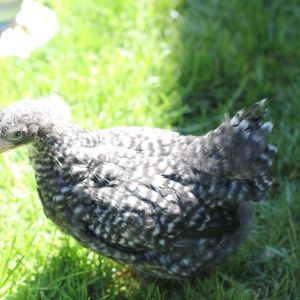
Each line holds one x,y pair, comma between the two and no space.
76,274
234,53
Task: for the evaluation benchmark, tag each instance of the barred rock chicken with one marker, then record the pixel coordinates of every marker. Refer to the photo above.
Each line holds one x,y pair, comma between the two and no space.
168,205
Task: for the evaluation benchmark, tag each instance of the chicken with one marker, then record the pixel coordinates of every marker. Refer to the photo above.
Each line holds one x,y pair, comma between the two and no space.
170,206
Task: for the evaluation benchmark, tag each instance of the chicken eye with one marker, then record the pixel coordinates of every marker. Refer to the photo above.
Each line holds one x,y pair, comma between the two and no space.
15,136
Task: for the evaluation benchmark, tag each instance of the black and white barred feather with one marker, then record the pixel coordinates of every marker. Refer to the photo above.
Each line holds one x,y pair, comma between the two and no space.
169,205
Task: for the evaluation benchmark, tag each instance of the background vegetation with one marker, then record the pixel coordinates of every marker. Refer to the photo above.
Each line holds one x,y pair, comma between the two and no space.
172,64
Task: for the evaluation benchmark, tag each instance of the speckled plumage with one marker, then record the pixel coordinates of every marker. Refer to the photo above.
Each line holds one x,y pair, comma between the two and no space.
168,205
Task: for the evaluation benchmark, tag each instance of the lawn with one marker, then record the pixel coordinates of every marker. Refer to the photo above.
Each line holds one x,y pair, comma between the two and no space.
171,64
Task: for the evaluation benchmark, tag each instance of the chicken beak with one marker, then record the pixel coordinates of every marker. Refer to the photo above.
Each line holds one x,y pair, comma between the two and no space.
4,145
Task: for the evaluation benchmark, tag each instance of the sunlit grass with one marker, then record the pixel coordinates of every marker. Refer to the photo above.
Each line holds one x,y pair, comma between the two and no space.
179,64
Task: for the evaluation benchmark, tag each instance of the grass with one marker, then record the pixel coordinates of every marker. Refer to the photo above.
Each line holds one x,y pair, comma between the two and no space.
171,64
